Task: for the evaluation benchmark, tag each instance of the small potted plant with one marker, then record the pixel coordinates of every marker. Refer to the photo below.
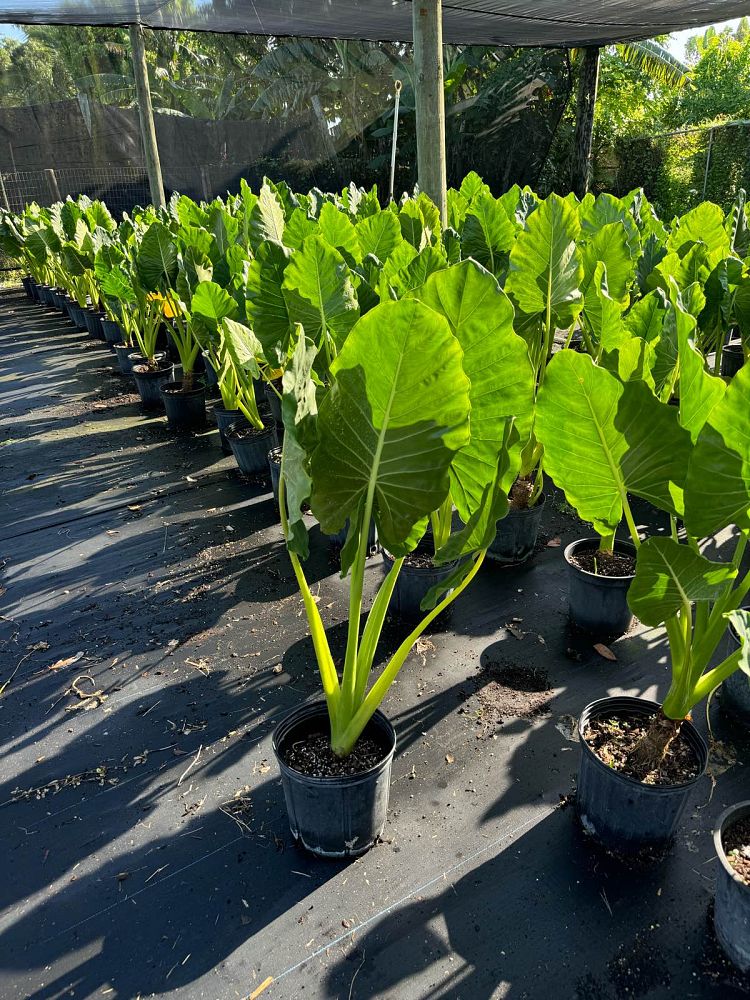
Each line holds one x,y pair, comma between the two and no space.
732,903
603,440
639,759
381,446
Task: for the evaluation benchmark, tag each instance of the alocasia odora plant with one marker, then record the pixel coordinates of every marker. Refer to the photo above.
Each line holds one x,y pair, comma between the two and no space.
382,446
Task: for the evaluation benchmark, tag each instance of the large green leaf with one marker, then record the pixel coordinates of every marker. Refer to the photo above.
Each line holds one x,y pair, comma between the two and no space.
604,439
699,391
740,622
212,303
610,246
319,291
338,231
497,363
266,305
379,235
488,234
394,418
299,411
669,575
298,228
266,219
702,224
717,491
156,260
545,267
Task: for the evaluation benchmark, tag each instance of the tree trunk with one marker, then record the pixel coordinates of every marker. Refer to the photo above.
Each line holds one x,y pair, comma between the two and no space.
588,82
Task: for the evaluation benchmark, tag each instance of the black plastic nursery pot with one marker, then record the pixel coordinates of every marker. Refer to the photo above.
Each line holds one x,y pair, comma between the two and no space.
225,418
598,604
212,379
34,291
732,905
45,296
77,317
274,467
735,691
112,332
58,300
250,447
620,813
412,585
334,817
26,282
93,321
274,403
516,535
732,358
149,381
185,409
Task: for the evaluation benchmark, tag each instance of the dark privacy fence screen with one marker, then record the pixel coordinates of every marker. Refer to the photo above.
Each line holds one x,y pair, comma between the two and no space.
316,112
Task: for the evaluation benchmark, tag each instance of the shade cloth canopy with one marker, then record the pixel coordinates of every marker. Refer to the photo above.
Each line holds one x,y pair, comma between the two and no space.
483,22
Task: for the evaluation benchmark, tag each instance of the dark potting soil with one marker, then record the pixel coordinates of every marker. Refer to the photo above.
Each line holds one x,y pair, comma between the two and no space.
313,756
419,560
605,563
510,690
520,493
613,737
736,843
243,433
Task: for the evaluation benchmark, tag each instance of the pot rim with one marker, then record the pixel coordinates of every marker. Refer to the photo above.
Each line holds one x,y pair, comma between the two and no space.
145,372
625,547
596,708
314,708
448,568
197,389
721,823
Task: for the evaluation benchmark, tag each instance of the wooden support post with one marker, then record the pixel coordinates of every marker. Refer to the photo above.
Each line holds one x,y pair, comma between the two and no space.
588,83
427,19
205,183
146,115
6,203
54,190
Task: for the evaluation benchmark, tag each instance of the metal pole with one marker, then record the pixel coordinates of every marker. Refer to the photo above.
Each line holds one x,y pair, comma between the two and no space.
394,141
427,19
4,193
708,162
146,116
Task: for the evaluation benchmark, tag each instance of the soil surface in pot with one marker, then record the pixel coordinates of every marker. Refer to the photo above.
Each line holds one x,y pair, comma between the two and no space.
605,563
246,433
613,737
520,493
736,843
420,560
313,756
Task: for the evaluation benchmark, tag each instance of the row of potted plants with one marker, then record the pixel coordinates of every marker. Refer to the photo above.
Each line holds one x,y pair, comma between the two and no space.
420,394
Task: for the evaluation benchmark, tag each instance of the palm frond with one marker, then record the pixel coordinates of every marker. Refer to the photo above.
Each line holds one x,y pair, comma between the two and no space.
656,61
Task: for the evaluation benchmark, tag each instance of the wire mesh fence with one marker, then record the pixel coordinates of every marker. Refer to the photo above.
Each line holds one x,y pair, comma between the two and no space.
121,187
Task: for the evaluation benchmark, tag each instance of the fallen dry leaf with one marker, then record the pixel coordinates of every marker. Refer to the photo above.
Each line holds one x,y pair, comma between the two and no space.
553,543
515,631
449,758
604,651
68,661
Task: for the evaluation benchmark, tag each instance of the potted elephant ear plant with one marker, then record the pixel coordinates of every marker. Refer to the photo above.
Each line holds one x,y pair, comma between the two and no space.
640,759
604,440
380,446
545,274
496,361
154,274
